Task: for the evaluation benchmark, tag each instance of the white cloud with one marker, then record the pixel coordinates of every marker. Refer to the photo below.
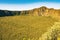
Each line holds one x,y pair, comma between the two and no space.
28,6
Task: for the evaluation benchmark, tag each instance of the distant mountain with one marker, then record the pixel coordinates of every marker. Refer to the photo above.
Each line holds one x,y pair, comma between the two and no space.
42,11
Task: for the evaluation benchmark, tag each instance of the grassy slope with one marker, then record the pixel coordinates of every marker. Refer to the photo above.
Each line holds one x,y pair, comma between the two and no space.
19,27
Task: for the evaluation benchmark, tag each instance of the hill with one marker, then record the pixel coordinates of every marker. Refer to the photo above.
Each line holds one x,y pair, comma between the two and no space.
24,27
29,25
42,11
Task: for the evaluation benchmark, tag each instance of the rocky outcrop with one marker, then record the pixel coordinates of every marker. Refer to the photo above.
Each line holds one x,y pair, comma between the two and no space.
42,11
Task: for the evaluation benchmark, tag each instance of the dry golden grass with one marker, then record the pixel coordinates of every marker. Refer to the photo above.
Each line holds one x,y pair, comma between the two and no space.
24,27
52,33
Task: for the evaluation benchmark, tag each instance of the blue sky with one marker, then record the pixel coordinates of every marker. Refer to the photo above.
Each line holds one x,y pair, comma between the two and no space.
28,4
26,1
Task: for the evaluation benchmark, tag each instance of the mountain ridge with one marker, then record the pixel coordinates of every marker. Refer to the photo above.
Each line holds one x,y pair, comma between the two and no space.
42,11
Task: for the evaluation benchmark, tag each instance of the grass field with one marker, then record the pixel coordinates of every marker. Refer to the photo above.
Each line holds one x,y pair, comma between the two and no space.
24,27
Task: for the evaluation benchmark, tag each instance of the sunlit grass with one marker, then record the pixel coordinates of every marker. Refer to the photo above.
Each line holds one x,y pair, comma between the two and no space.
20,27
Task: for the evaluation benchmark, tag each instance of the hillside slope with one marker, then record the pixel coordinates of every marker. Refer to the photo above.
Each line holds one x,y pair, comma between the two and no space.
24,27
29,25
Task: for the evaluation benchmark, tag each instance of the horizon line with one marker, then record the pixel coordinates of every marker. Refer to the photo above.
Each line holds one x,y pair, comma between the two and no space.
20,7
